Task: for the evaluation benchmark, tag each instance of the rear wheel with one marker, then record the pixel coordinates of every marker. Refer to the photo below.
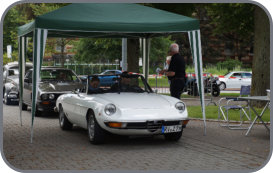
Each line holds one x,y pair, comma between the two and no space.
215,92
96,134
173,136
24,107
63,121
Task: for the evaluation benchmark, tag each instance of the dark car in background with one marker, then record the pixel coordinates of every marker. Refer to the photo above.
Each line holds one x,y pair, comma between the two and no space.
53,82
11,82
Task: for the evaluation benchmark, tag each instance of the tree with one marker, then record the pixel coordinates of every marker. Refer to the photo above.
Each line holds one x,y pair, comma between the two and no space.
234,22
261,60
40,9
133,52
94,49
159,51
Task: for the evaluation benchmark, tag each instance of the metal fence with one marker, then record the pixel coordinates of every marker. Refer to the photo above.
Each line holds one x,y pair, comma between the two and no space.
162,86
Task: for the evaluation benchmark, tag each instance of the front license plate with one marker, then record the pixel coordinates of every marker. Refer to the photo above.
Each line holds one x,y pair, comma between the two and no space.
171,129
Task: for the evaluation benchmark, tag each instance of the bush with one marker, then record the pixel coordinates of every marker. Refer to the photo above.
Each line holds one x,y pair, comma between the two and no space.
229,64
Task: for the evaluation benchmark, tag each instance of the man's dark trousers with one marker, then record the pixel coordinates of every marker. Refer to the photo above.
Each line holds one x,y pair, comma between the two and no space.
176,87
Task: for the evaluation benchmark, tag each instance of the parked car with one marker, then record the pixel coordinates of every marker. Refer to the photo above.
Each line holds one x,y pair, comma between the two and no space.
11,82
53,82
111,72
235,79
123,109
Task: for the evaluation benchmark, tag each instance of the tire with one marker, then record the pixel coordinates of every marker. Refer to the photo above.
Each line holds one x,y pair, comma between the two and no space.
24,107
215,92
222,86
96,134
173,136
7,101
65,124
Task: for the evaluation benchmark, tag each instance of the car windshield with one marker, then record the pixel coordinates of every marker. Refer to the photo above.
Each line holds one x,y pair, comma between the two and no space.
15,70
227,74
117,84
58,75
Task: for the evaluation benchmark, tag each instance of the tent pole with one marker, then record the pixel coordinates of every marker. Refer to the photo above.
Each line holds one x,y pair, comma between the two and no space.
146,51
124,54
195,42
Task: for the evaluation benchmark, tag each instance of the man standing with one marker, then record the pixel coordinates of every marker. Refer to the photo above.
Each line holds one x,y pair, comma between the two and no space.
176,71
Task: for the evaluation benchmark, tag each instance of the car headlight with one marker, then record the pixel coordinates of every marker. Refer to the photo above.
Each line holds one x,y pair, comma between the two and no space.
110,109
180,106
51,96
44,96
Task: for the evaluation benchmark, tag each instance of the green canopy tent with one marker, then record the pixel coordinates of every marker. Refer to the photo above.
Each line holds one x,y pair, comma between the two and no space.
113,20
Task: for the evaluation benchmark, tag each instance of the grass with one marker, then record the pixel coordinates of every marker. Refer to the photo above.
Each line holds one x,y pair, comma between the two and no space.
212,113
161,82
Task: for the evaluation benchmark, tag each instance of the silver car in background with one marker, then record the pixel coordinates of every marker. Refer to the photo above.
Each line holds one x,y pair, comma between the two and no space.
11,82
54,81
235,79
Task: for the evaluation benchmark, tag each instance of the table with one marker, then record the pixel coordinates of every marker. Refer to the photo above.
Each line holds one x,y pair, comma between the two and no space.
256,98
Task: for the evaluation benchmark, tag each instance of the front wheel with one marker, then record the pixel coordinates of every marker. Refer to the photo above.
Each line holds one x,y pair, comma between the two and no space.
96,134
63,121
7,100
222,86
173,136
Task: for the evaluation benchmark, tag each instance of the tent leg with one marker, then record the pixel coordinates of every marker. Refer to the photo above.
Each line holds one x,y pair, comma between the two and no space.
124,54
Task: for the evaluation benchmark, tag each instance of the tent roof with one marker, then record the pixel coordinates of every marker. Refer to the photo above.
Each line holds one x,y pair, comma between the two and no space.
109,20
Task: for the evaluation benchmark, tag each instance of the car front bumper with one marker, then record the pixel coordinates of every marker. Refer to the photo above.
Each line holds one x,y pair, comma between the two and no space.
46,106
13,96
142,128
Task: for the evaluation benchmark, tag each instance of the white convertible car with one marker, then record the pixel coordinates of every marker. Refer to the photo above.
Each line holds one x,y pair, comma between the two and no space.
126,107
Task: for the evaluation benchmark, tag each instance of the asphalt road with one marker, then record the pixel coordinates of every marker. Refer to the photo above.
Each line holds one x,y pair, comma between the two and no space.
54,149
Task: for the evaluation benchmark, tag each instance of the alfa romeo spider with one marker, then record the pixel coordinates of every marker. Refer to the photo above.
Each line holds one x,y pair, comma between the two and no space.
127,106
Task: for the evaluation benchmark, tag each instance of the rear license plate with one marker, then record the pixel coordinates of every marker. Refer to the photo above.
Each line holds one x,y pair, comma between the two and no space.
171,129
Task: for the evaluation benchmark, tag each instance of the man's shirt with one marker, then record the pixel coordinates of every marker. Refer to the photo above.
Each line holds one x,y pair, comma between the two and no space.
177,65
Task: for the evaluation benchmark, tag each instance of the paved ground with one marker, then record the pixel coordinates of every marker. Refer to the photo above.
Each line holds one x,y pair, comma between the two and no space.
54,149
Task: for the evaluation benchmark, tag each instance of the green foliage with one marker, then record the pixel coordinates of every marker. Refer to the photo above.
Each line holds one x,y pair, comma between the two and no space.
42,8
232,18
95,50
229,64
159,51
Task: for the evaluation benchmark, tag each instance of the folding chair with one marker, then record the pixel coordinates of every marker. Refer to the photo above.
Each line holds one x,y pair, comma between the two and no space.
232,103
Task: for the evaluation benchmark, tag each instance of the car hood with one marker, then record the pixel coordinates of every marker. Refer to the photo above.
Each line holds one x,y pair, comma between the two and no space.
59,86
14,78
136,100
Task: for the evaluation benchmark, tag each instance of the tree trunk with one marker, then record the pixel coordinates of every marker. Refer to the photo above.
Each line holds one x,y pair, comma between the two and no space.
133,55
62,44
261,59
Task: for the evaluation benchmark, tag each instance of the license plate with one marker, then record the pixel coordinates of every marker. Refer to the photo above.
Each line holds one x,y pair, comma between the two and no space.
171,129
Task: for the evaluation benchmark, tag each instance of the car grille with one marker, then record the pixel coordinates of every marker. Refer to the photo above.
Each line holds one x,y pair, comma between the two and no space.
151,125
154,125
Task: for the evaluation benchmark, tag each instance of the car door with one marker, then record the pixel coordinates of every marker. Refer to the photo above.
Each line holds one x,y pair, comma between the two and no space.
246,78
234,81
72,105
